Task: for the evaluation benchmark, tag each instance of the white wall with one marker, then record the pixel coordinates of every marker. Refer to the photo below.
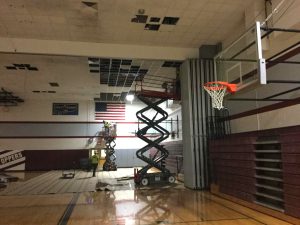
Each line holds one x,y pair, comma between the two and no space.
36,110
284,117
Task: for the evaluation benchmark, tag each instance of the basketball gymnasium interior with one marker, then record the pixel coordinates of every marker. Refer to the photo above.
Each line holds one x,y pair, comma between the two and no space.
137,112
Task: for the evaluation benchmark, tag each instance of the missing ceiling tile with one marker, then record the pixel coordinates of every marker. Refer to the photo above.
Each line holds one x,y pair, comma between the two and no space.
154,19
126,62
54,84
32,68
21,67
93,60
90,4
174,64
94,65
170,20
139,19
94,71
154,27
11,68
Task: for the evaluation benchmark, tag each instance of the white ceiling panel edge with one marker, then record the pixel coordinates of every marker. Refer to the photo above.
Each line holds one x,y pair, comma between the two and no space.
69,48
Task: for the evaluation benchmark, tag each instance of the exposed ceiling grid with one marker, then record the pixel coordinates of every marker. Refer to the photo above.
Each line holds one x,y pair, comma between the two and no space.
107,21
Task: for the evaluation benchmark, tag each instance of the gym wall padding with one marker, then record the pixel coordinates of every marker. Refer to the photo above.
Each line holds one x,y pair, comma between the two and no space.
234,166
36,160
196,107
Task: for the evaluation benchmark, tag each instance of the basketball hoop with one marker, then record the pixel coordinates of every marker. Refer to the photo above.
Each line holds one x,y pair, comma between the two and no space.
217,90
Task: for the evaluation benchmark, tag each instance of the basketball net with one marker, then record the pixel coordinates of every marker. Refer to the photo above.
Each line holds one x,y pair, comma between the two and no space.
217,92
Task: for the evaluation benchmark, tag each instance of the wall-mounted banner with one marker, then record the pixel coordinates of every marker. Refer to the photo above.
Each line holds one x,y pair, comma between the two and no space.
12,160
65,109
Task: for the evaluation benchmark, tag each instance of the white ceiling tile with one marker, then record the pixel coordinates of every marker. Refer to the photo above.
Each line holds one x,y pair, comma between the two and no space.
3,31
4,7
213,7
40,19
181,29
23,18
179,4
57,20
133,35
197,4
185,21
156,12
174,13
166,28
191,13
113,17
7,17
76,22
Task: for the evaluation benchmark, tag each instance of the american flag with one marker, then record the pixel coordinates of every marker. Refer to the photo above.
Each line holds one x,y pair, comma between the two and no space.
109,111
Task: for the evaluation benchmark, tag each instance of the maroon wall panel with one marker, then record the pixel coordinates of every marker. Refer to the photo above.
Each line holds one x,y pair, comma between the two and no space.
53,159
292,211
291,158
232,160
232,170
233,148
292,200
237,193
292,190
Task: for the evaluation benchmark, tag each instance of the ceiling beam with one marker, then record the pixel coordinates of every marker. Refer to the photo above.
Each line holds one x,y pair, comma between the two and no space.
72,48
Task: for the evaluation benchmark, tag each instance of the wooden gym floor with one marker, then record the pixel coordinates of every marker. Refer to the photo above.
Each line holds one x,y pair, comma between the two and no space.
128,207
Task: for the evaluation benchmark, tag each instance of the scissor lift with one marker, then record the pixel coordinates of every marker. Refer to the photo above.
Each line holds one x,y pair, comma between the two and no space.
153,99
110,158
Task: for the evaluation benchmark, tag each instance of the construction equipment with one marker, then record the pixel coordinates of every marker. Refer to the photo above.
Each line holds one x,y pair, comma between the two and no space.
69,173
153,99
109,138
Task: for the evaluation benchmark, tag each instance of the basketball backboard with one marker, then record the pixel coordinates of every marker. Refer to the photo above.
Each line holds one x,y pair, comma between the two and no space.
242,62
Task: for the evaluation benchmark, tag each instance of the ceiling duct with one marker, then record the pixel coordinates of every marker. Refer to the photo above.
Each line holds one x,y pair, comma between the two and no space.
8,99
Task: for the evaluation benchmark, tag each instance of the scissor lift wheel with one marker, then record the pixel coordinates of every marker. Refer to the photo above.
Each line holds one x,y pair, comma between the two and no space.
145,181
171,179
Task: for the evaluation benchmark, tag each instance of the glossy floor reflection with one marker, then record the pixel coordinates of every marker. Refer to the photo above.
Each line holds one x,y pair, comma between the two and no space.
162,206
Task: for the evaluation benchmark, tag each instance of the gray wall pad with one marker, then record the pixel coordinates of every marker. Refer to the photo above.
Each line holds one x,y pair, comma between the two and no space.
196,107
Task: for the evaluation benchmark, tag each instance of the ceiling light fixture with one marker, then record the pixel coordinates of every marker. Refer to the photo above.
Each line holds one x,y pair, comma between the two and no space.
141,11
130,98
